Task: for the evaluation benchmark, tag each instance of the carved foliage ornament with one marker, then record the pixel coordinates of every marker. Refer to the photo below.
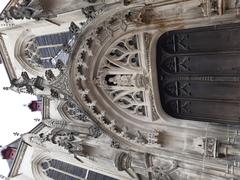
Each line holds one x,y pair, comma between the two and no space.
122,74
67,139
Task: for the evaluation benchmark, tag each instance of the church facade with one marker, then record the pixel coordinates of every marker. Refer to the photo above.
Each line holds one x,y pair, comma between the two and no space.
130,89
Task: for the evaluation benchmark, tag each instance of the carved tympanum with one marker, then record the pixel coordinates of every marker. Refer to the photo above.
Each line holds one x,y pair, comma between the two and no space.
123,76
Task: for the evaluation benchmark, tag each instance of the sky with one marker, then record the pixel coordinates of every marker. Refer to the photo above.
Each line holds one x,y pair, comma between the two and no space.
14,116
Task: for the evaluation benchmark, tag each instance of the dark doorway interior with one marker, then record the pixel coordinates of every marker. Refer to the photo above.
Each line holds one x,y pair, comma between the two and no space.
199,73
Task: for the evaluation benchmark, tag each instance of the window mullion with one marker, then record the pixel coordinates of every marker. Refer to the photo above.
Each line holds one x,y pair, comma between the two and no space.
49,46
63,172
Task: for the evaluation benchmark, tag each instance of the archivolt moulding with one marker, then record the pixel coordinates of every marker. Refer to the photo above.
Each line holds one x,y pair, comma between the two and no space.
113,65
111,76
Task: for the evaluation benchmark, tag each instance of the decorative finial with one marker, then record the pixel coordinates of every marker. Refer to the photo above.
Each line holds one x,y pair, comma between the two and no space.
6,88
16,134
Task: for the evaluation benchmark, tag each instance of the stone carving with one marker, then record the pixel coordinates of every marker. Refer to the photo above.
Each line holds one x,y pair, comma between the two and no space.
26,9
164,171
115,144
55,123
74,28
89,12
60,65
122,75
61,84
210,146
213,7
39,83
49,75
95,131
34,140
86,130
54,93
152,138
24,84
140,16
74,112
141,138
123,161
67,139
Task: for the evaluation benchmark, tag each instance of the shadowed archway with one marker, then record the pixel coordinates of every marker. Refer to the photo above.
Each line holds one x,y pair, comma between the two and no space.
199,73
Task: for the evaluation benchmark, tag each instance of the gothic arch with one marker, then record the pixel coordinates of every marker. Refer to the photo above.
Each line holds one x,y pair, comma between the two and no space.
74,168
70,112
36,167
35,54
19,52
92,71
37,164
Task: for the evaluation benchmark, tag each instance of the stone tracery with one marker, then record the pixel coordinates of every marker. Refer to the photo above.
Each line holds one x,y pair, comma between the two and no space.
118,72
122,75
121,71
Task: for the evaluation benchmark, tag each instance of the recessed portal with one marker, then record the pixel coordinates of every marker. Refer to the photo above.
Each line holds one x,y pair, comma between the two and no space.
199,73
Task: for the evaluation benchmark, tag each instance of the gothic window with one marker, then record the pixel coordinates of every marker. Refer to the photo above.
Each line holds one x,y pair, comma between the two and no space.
198,73
44,51
59,170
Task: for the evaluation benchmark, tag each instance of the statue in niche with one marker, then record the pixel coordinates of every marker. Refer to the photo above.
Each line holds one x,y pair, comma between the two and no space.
128,80
121,80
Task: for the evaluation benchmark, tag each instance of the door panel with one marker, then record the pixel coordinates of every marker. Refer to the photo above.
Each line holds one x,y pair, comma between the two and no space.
199,73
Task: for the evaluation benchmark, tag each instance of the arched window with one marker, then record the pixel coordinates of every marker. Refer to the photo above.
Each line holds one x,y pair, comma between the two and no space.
59,170
198,73
74,112
44,51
